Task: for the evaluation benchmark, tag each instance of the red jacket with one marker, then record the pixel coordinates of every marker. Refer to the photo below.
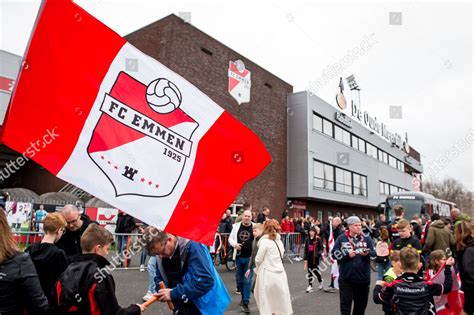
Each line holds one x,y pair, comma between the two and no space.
287,226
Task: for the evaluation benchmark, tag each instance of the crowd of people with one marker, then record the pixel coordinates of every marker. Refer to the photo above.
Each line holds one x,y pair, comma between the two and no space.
418,262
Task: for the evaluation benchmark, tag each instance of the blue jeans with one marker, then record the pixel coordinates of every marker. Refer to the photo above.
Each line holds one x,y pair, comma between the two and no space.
121,246
382,269
143,257
152,265
243,283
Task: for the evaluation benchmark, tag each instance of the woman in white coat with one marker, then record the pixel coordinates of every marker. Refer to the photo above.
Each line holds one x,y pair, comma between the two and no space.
271,287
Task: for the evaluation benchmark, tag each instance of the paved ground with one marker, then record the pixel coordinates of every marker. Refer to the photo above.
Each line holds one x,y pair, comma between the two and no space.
131,286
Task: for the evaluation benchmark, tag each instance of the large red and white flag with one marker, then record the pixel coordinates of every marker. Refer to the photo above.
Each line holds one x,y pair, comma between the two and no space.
98,113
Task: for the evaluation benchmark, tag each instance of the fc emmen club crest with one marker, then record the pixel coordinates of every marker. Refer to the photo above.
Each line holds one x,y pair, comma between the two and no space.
137,118
239,82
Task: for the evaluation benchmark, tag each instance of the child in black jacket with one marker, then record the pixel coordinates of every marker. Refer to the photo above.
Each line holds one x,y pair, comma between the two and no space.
409,294
50,261
86,286
312,257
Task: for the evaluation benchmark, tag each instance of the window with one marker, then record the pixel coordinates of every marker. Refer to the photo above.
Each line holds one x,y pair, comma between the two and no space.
363,181
361,145
317,123
380,155
381,190
338,133
360,185
318,174
320,216
386,188
355,142
392,161
393,189
339,180
357,184
347,182
323,175
385,157
329,177
327,127
400,166
346,137
371,150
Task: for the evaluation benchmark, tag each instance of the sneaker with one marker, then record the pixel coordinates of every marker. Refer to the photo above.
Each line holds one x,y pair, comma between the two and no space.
309,289
237,292
321,284
142,268
147,296
245,309
241,303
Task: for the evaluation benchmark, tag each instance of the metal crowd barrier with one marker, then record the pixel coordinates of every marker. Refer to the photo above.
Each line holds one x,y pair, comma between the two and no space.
294,244
133,252
26,238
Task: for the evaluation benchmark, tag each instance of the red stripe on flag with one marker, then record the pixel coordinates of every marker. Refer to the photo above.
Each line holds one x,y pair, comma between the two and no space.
228,155
69,55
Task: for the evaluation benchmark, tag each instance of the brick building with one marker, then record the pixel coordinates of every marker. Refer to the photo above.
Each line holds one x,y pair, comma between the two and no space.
204,62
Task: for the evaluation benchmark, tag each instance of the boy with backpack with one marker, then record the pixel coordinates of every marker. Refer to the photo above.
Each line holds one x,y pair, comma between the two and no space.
86,286
409,293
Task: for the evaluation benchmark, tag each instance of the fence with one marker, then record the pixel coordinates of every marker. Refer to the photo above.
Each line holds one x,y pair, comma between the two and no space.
294,245
132,255
128,253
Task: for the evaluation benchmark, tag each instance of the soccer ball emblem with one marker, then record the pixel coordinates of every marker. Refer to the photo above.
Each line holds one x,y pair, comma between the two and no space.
163,96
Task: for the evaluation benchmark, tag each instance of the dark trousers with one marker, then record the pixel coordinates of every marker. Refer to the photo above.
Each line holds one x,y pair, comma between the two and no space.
313,271
353,292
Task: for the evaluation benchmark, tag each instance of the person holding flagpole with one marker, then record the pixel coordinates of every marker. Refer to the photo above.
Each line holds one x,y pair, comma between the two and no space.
335,230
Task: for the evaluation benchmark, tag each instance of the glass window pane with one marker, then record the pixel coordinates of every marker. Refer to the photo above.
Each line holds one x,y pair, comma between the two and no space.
327,127
347,182
337,133
381,188
386,188
318,182
361,145
380,155
318,170
339,180
357,185
364,185
385,157
329,177
346,137
317,123
355,142
392,161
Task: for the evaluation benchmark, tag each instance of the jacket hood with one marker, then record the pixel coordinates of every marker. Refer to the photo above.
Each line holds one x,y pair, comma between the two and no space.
40,251
438,224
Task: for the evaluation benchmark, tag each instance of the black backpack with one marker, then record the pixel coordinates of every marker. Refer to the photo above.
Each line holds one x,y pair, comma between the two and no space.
74,288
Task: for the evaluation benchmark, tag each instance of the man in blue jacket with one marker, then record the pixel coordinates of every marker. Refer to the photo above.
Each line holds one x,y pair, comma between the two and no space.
192,282
353,251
